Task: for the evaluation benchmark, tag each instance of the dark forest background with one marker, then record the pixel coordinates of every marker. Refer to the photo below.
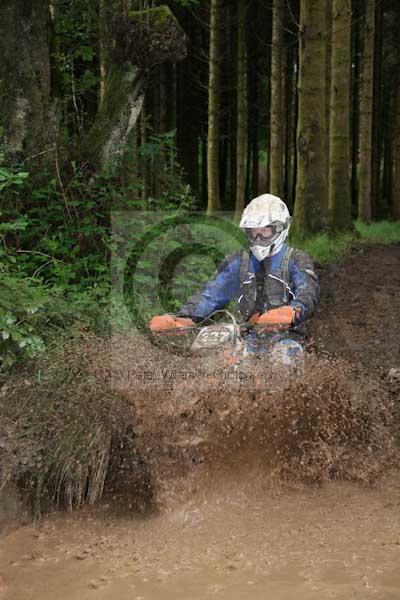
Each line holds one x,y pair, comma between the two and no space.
119,105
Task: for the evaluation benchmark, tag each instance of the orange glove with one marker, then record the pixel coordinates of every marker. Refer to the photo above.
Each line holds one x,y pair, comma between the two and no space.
281,317
163,322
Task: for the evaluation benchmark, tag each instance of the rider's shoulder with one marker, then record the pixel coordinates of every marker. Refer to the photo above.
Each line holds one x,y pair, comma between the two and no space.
231,260
300,258
301,261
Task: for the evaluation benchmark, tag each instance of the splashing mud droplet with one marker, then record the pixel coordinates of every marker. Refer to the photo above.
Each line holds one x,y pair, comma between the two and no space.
200,421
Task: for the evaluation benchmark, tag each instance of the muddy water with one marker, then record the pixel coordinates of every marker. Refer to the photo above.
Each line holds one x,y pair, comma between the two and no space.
244,502
242,542
242,507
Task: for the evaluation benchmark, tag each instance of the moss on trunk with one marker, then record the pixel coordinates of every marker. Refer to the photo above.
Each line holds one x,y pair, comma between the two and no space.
119,110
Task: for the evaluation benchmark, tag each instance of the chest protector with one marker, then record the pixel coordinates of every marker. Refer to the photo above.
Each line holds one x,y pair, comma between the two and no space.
266,289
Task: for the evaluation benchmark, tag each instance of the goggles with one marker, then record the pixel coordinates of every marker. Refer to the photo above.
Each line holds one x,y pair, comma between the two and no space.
265,235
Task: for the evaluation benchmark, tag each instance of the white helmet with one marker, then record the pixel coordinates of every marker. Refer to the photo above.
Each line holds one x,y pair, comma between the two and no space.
266,211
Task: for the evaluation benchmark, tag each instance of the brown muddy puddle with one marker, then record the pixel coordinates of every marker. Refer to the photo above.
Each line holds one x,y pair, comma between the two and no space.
340,541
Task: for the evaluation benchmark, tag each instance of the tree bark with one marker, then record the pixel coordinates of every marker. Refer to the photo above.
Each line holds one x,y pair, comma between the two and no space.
242,109
366,107
355,90
277,118
377,117
27,113
214,93
310,211
290,137
396,156
329,42
339,181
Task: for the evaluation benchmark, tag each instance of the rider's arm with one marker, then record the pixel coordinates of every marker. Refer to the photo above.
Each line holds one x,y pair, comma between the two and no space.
304,283
217,292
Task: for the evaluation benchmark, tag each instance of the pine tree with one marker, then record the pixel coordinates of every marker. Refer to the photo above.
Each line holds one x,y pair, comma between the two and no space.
277,114
242,102
366,108
27,116
214,93
310,209
396,156
339,154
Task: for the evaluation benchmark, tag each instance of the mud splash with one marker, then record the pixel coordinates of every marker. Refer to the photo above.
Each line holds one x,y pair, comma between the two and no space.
199,419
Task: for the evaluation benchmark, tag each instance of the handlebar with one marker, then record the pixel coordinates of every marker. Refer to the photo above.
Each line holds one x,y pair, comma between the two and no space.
242,328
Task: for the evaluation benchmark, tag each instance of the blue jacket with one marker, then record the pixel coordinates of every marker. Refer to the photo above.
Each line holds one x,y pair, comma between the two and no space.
227,284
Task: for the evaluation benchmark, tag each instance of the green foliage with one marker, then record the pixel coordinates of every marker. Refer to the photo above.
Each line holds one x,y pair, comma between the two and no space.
20,302
187,3
384,232
76,62
55,255
20,305
324,248
10,178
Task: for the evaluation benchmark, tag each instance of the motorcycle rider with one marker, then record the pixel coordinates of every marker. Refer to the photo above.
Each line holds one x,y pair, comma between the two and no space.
275,285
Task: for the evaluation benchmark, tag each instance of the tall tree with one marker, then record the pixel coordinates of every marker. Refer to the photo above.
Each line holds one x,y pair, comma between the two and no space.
242,108
377,117
355,94
191,97
339,153
27,116
310,211
277,114
366,112
396,156
328,58
291,120
214,93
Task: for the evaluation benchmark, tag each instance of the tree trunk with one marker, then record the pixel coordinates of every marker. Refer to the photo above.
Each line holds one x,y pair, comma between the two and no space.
27,115
118,112
377,117
277,118
329,42
355,90
310,211
388,141
242,108
143,40
214,94
189,76
396,156
366,106
290,141
339,181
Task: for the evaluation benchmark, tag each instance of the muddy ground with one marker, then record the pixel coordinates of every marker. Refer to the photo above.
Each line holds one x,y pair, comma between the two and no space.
290,493
358,318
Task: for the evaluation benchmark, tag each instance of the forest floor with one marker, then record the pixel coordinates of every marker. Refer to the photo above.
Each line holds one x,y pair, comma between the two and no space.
229,529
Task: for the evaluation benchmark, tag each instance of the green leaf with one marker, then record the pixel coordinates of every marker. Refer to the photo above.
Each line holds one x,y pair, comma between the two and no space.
85,52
